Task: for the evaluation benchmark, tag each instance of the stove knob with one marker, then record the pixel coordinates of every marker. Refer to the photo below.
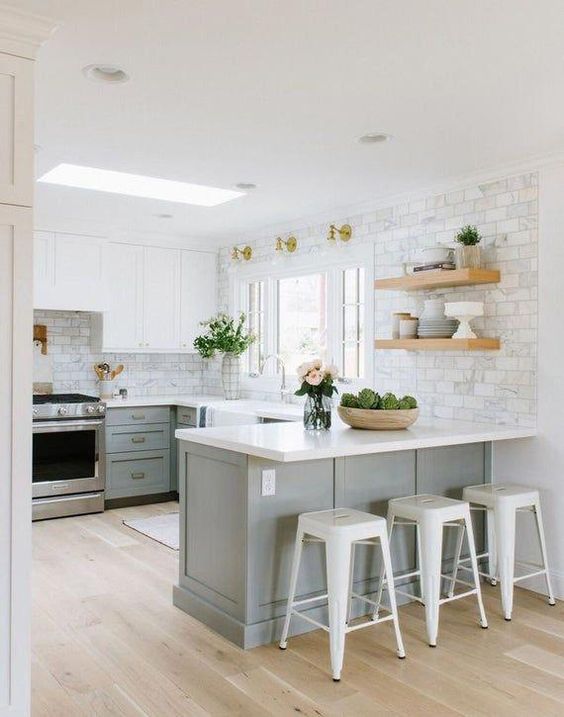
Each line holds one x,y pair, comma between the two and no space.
101,408
35,411
63,411
89,409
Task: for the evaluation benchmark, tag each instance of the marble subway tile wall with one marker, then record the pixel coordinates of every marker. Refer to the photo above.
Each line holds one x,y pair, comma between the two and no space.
72,358
492,386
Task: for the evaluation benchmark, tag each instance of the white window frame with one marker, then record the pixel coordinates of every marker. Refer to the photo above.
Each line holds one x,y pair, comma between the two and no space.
333,263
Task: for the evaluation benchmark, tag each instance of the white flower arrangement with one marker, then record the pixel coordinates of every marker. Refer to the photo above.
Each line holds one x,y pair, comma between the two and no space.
316,378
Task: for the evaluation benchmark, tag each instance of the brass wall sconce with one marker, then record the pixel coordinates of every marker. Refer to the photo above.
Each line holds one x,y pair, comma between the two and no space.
290,244
245,253
344,233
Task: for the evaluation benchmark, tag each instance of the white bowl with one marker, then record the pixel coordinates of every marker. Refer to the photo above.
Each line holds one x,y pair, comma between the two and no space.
433,254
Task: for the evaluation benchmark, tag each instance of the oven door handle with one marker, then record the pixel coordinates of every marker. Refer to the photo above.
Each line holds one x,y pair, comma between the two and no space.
54,426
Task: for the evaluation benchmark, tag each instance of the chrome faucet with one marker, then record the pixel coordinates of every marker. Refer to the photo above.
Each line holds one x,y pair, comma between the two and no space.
284,393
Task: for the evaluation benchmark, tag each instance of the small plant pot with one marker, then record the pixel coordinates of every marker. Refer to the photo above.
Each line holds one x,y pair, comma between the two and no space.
468,257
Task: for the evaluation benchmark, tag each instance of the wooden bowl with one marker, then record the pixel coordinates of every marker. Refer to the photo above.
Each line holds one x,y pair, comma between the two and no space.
377,420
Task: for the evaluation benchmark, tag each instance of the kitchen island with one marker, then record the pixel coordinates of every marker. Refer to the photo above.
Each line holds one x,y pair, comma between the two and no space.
237,523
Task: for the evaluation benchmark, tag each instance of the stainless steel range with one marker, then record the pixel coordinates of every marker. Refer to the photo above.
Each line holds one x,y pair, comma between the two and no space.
69,467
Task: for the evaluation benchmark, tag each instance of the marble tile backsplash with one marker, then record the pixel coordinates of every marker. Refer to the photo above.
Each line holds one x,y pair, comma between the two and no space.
72,358
492,386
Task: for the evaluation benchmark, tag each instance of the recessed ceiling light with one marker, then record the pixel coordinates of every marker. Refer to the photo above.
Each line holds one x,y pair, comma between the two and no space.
137,185
163,216
105,73
374,138
245,186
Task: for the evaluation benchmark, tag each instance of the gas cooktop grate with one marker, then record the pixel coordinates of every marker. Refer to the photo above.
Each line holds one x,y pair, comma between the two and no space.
65,398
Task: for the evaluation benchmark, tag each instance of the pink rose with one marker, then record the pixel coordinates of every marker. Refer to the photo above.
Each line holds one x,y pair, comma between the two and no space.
314,377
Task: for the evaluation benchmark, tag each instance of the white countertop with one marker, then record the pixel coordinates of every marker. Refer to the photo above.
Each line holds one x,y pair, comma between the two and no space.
288,442
262,409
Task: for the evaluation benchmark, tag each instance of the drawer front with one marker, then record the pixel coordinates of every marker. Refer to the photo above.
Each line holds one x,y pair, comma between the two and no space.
147,437
188,416
137,416
131,474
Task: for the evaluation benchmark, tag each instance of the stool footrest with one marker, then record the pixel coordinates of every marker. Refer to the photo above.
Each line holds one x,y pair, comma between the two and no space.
311,599
307,618
457,597
530,575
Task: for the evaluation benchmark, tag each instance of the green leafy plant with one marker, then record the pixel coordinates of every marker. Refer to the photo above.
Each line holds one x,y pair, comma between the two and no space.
224,334
369,399
349,400
366,398
389,402
468,236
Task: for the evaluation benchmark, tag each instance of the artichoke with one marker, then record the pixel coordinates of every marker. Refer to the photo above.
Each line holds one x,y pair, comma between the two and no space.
349,400
407,402
366,398
389,402
376,403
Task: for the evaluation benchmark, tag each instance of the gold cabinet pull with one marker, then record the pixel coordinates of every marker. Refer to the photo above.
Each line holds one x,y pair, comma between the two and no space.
138,475
138,439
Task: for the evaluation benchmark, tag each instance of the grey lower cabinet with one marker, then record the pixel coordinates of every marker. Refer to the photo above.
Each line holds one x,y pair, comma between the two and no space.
236,545
138,452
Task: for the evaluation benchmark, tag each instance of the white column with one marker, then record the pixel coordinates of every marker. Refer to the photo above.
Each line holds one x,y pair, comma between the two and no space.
20,36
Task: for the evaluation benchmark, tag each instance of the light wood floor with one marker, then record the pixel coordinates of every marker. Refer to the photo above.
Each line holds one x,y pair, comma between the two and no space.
107,641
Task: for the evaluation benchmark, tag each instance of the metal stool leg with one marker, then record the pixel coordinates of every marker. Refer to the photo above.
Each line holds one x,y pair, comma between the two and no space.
338,571
293,582
474,563
540,530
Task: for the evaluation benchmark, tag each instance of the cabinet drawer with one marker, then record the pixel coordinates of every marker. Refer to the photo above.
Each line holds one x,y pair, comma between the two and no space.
130,474
147,437
189,416
137,415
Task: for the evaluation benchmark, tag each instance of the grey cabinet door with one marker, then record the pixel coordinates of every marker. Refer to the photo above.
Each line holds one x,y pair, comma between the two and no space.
148,437
446,471
367,483
300,488
212,558
137,473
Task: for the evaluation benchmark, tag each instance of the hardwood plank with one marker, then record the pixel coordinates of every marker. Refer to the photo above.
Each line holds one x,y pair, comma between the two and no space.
107,641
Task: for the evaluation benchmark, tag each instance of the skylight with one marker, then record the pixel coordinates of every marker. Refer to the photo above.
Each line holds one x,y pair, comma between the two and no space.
137,185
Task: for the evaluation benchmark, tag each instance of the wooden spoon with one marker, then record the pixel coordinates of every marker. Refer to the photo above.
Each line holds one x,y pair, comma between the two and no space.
118,369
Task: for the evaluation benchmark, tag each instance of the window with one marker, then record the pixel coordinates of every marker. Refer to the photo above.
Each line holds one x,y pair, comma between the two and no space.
255,320
352,335
302,318
314,308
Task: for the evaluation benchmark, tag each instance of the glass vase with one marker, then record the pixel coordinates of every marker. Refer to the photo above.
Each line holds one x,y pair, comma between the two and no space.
231,376
317,413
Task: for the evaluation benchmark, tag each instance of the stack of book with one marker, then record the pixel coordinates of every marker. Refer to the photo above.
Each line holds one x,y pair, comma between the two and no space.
435,266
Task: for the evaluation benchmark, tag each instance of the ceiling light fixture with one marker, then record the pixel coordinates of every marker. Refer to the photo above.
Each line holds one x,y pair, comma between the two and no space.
163,216
137,185
105,73
245,186
375,138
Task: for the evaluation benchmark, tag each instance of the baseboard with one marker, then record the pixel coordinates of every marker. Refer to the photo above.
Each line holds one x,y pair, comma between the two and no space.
538,584
140,500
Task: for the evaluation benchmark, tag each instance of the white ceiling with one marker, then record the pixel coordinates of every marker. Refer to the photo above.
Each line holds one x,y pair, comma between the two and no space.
228,91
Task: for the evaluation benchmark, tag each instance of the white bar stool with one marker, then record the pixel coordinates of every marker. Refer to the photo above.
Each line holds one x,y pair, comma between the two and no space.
340,529
430,514
502,502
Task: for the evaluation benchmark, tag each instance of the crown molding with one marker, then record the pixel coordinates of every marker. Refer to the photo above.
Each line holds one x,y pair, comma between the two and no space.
22,33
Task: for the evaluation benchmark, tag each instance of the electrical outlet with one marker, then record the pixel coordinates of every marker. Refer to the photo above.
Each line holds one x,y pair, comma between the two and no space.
268,483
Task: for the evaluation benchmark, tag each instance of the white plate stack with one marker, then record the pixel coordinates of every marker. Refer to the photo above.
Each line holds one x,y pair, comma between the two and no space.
433,324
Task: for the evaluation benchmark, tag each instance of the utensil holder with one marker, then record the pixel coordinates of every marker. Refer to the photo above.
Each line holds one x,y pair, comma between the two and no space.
106,388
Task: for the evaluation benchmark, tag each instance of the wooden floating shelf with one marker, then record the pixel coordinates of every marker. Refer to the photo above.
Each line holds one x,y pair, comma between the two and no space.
439,279
479,344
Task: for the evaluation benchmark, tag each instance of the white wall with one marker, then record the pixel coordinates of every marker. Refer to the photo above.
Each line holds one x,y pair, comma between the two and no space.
540,461
491,386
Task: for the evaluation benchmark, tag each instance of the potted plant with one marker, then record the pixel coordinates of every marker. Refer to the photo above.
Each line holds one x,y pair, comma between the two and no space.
468,250
372,411
226,335
317,383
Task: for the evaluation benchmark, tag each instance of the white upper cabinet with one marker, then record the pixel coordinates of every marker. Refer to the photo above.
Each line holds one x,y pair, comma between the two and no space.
157,297
161,299
198,300
69,272
16,130
121,327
